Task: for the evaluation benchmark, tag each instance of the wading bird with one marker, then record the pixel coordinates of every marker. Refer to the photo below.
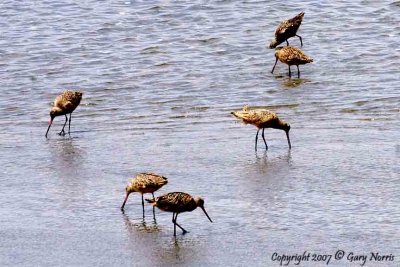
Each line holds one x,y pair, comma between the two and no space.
64,104
291,56
287,29
178,202
144,183
262,118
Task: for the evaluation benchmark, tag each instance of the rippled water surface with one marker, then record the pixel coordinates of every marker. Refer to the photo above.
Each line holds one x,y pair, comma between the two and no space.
160,79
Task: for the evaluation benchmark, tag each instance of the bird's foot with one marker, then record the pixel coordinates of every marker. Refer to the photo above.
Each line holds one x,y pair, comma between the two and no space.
62,133
184,232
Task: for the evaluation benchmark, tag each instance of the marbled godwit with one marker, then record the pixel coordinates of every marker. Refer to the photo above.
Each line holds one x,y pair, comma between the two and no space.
291,56
144,183
263,118
287,29
178,202
64,104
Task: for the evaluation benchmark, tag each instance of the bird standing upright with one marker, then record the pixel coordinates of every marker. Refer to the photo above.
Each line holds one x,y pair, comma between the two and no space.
291,56
262,118
64,104
287,29
178,202
143,183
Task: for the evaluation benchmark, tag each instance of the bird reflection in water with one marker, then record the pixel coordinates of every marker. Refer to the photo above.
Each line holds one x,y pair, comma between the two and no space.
263,161
294,82
180,250
284,157
141,226
67,154
164,252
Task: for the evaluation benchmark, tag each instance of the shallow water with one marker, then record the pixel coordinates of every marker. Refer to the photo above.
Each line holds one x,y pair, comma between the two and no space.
160,79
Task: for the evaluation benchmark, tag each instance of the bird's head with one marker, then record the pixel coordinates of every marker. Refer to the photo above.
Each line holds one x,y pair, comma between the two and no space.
200,203
55,111
128,189
286,127
273,44
277,50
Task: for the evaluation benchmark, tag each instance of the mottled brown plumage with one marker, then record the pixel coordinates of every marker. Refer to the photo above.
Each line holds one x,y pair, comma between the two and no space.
287,29
291,56
144,183
178,202
64,104
262,118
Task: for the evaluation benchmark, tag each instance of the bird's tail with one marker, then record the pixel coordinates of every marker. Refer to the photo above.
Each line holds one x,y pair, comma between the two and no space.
242,114
151,201
238,114
300,15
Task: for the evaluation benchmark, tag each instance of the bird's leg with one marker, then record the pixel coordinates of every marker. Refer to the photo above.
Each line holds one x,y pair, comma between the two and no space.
143,205
154,214
276,61
154,209
257,138
298,71
183,230
301,40
265,142
62,130
69,123
173,220
290,73
287,42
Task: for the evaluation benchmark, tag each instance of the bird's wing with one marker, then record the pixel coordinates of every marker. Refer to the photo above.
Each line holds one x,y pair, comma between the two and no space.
143,182
175,201
297,19
63,104
148,180
266,115
68,105
73,97
290,25
153,175
255,116
282,28
296,55
68,100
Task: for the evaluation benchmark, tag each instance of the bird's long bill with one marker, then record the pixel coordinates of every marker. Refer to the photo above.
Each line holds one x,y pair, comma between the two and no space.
50,122
123,204
273,68
288,139
206,213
